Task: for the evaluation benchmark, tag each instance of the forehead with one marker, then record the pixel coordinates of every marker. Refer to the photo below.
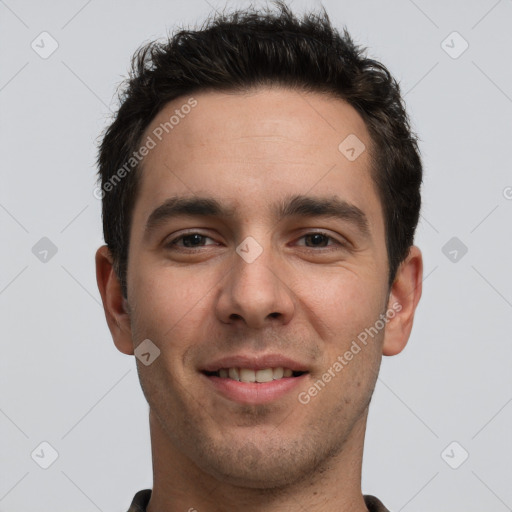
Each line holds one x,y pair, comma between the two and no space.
252,145
239,118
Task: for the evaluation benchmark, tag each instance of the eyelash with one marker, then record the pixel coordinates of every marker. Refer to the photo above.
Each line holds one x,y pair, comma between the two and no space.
172,244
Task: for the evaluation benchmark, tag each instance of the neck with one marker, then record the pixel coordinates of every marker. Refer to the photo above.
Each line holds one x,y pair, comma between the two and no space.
180,485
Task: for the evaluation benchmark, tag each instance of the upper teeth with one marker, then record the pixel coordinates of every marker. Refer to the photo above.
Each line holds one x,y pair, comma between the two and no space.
248,375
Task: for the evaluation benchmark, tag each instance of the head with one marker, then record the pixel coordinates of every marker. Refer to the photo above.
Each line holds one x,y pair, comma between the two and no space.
259,136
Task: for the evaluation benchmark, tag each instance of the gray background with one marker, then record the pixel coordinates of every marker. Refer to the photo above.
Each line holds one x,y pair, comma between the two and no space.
62,381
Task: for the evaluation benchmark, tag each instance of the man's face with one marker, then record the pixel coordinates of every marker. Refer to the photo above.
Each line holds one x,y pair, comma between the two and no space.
254,290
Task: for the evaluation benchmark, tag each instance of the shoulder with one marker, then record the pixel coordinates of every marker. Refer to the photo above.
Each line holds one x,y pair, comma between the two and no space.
140,501
374,504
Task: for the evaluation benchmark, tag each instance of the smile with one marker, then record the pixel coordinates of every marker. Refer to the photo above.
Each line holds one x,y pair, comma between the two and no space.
250,375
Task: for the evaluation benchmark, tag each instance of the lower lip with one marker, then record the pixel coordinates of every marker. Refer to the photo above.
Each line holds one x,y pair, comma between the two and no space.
255,392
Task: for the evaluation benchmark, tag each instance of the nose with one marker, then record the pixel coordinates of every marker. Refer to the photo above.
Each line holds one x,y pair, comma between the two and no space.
256,293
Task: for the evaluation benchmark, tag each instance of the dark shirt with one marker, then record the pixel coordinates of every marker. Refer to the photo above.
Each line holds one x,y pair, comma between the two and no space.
141,500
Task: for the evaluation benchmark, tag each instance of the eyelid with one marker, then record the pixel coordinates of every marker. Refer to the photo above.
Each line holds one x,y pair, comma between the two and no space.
173,239
339,239
343,243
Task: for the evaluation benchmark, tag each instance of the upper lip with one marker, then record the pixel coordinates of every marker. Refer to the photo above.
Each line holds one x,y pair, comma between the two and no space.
255,362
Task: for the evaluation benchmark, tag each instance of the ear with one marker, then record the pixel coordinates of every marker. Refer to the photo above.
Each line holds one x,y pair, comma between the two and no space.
404,296
114,304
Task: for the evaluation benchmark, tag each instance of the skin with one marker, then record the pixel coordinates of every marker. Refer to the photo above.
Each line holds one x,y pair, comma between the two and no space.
304,298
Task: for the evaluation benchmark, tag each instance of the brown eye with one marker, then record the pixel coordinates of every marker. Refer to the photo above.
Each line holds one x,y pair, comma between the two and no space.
190,241
320,240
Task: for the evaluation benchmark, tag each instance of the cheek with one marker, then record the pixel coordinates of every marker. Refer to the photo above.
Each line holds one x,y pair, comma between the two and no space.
170,304
168,310
346,302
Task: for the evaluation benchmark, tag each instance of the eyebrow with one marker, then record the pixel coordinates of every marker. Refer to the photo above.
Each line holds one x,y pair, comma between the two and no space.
292,206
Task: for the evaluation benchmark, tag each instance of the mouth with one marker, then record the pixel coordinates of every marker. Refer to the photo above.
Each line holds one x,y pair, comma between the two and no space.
251,375
252,379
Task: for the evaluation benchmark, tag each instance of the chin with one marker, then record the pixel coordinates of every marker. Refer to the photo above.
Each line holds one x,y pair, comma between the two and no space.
266,477
257,466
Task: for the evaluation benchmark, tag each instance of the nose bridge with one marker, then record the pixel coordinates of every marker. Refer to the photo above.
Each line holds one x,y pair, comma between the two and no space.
256,292
255,262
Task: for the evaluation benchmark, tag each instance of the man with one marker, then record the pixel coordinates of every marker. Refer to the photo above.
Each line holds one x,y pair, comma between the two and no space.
261,189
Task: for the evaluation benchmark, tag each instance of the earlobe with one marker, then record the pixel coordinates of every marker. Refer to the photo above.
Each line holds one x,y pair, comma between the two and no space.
117,311
404,296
